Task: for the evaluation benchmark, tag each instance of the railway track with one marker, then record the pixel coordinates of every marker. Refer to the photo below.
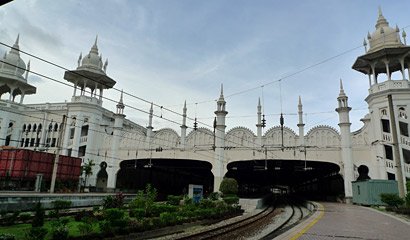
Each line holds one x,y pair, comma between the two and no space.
267,224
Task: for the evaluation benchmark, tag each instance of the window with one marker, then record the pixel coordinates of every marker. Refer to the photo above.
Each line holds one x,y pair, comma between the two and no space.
72,130
84,131
406,155
391,176
388,151
386,125
53,142
81,151
32,142
404,129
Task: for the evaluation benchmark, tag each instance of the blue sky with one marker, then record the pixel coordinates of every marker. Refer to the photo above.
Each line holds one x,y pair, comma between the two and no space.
171,51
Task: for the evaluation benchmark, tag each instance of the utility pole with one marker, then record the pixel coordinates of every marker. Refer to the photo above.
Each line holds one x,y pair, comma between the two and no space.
396,155
59,141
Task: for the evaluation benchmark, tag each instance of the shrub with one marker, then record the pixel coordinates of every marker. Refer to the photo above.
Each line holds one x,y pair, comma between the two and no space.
168,218
85,228
36,233
407,199
38,220
158,208
79,216
231,200
144,200
116,201
173,200
206,203
229,186
10,219
403,210
115,217
214,196
391,199
137,213
59,229
24,217
6,236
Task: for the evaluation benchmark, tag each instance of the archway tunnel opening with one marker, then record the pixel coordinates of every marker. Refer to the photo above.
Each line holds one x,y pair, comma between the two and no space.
309,179
168,176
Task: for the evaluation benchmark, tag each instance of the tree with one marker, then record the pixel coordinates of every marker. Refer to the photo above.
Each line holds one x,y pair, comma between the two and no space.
87,170
229,186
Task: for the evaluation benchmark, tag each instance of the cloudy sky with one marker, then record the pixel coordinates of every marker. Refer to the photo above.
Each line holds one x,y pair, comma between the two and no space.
167,52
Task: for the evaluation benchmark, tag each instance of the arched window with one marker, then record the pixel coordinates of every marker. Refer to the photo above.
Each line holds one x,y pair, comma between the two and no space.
50,127
40,127
34,127
24,127
402,113
29,128
55,127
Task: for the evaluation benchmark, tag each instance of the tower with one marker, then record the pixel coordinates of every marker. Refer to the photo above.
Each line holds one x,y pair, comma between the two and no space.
183,126
13,80
219,167
260,124
385,63
117,133
301,125
346,143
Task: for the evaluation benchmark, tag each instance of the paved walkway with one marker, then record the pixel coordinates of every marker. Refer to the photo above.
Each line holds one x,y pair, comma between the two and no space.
334,221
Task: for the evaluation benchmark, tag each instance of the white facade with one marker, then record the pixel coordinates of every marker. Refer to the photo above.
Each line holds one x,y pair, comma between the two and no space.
93,132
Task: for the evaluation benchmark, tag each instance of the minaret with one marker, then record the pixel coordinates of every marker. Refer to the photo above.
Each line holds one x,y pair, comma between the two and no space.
346,142
387,55
117,133
149,127
301,125
219,166
259,125
183,126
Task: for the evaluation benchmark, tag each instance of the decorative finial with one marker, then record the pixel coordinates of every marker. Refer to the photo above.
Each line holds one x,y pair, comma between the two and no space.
365,44
185,104
300,100
79,59
403,34
369,36
222,89
259,102
397,28
28,69
17,40
96,39
380,11
122,92
105,65
341,85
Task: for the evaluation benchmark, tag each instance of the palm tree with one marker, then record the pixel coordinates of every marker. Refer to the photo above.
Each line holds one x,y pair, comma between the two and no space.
87,169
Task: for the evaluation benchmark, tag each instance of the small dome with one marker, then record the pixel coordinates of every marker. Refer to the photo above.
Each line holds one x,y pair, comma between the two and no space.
384,36
92,61
13,64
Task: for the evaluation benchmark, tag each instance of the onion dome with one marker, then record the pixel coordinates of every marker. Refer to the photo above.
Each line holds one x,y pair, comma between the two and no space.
12,64
384,36
92,61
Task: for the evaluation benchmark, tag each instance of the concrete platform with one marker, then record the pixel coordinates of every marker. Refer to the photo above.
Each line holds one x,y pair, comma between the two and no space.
341,221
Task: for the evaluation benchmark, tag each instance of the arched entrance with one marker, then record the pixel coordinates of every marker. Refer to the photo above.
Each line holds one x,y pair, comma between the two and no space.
168,176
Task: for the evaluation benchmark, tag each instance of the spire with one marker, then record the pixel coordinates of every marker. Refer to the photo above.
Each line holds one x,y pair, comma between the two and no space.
94,48
105,65
222,92
403,34
79,59
16,48
120,105
184,109
151,113
365,44
300,101
381,21
342,92
28,69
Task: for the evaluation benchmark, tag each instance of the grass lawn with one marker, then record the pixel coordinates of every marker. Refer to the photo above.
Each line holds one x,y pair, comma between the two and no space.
20,230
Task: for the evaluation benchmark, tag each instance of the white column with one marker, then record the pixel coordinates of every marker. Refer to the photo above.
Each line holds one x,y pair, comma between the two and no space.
3,131
114,163
77,131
